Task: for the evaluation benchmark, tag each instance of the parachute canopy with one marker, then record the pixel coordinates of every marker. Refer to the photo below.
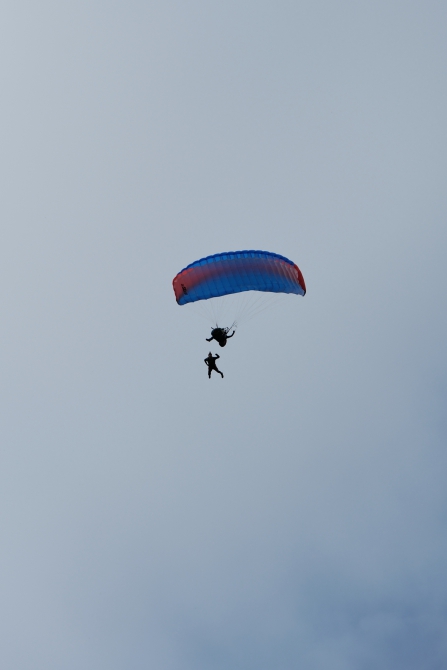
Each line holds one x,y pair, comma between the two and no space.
235,272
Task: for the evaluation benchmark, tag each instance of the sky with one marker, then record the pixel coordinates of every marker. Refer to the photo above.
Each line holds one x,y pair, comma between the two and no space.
294,514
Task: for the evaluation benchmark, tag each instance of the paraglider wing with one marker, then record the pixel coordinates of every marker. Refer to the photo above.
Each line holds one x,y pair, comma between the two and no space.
235,272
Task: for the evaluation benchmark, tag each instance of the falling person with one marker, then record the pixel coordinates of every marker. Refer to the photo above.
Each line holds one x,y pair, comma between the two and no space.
210,360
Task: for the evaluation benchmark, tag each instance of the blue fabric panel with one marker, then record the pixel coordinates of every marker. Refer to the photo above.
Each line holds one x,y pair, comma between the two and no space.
237,271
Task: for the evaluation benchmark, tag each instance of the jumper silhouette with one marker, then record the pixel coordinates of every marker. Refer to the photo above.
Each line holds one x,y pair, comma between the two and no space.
210,360
220,335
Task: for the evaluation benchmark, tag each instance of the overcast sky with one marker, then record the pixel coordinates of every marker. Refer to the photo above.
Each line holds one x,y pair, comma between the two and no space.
292,515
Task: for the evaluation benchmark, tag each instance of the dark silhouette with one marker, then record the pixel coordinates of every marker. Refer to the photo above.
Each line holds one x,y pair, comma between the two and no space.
220,335
210,360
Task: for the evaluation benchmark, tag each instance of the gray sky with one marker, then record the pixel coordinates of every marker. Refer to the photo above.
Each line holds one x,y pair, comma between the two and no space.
294,514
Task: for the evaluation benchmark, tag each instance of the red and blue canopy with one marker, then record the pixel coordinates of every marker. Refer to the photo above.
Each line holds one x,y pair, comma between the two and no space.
235,272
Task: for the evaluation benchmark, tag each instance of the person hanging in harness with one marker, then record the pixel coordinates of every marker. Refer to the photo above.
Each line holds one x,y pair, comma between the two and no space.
220,335
210,360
